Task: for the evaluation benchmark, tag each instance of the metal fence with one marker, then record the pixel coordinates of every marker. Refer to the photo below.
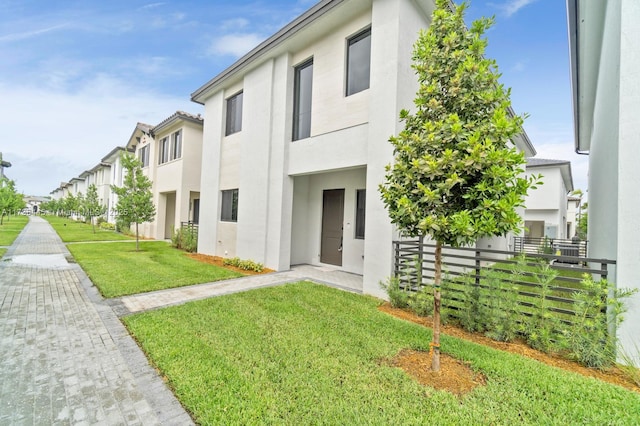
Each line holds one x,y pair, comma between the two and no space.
553,246
191,228
472,266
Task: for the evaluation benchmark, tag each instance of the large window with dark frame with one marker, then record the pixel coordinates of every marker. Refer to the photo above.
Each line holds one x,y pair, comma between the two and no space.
358,62
176,145
361,201
229,210
234,114
303,84
163,154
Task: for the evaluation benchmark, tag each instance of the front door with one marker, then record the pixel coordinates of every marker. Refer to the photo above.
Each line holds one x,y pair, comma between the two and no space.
196,211
332,218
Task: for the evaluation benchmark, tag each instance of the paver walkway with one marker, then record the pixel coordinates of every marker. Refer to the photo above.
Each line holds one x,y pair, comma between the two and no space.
65,358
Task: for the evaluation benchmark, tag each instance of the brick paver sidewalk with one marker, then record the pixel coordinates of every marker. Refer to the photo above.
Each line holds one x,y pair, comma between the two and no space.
64,356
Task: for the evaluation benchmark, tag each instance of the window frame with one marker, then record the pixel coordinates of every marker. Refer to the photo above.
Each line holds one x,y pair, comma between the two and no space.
163,152
361,214
176,145
229,213
143,156
233,118
349,79
296,133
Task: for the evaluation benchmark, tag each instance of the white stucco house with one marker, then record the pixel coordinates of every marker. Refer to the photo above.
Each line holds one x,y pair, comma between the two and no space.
171,156
574,205
546,213
112,159
296,139
605,62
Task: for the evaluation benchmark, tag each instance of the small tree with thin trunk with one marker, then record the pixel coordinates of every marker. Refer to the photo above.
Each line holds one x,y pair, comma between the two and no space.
135,200
456,175
11,201
92,206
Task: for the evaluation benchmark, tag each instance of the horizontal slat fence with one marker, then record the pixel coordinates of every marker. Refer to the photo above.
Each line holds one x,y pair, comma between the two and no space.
463,267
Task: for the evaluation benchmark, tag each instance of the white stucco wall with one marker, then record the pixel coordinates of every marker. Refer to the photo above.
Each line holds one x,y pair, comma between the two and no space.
614,176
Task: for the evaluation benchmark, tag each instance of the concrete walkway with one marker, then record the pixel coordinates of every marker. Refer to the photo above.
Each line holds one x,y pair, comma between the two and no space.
65,357
176,296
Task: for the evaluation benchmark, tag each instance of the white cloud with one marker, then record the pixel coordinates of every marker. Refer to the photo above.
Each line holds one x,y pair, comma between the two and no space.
234,24
151,5
235,44
511,7
29,34
53,136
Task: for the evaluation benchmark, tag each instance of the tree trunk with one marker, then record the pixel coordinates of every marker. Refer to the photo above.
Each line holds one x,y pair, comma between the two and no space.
435,344
92,224
137,244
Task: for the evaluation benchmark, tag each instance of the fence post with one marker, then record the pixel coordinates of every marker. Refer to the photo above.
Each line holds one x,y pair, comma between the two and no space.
477,268
396,263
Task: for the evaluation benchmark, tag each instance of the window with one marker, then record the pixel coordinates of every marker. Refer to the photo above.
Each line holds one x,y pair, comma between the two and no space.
143,156
163,155
229,211
361,201
302,100
358,62
234,114
176,145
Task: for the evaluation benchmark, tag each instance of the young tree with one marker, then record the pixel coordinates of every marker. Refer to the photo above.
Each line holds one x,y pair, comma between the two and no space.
135,204
456,175
92,206
10,200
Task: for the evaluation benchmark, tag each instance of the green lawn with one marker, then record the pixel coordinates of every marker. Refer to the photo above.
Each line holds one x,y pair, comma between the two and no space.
11,228
308,354
72,231
117,269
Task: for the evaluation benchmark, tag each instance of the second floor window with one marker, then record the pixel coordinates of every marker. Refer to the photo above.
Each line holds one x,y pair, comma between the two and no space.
358,62
303,85
163,154
143,156
234,114
176,145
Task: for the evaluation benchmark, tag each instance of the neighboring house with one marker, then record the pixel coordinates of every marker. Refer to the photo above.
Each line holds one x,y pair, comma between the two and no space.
171,155
605,59
546,213
77,186
32,203
112,159
573,215
296,139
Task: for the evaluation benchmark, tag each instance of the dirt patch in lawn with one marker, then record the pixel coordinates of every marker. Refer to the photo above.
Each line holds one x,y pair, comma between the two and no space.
418,364
454,376
218,261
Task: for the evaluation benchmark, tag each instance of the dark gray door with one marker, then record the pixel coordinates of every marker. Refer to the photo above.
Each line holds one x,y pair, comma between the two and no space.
332,217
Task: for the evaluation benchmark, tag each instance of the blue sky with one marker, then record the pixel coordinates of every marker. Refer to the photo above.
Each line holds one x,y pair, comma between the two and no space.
77,75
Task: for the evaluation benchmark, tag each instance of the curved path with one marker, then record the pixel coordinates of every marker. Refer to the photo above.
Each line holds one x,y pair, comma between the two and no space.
65,356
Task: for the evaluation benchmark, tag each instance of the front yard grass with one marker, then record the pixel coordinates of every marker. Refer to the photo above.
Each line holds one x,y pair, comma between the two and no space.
72,231
11,228
308,354
117,269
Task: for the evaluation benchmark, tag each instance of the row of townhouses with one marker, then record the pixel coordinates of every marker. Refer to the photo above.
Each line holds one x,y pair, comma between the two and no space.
284,168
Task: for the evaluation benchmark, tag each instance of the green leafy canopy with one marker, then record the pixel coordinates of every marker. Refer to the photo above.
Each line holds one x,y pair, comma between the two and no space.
457,176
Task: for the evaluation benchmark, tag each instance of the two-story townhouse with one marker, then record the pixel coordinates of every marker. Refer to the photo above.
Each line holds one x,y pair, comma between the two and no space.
100,176
546,212
116,175
296,139
605,59
170,153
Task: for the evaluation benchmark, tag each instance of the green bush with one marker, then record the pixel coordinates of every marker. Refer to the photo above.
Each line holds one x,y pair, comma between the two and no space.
184,240
247,265
421,301
107,226
398,295
599,309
